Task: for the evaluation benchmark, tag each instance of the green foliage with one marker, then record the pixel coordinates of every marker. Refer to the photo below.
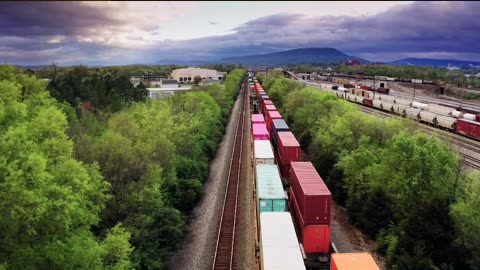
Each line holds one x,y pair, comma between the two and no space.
395,183
471,95
155,156
48,200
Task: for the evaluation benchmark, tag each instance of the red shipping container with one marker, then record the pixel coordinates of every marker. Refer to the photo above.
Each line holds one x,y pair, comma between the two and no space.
288,147
313,197
315,238
270,107
284,169
269,116
264,104
466,127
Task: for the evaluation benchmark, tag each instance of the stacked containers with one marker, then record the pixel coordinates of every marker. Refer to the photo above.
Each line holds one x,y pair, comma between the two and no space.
312,203
279,247
264,106
270,193
270,116
270,107
353,261
263,152
279,125
288,151
260,132
258,118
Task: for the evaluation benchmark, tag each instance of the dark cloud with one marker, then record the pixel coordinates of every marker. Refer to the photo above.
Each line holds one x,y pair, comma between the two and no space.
28,19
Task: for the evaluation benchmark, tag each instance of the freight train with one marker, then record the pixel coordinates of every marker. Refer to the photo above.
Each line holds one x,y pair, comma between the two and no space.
293,204
386,78
440,116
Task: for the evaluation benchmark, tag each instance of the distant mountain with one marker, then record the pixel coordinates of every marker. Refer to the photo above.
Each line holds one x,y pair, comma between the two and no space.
297,56
433,62
181,62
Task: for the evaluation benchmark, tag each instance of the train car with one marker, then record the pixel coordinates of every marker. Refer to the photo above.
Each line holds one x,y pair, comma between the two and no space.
264,107
404,102
269,117
353,261
468,128
419,105
412,113
260,132
439,109
383,90
279,125
400,109
368,102
386,106
270,193
279,248
388,99
428,117
270,107
288,150
263,152
446,122
258,118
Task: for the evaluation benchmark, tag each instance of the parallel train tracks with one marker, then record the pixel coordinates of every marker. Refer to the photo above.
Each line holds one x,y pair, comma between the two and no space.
462,143
226,252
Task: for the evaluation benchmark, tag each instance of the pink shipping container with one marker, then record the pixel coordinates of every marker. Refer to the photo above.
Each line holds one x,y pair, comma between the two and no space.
313,197
288,148
258,119
270,107
265,103
314,238
269,116
260,132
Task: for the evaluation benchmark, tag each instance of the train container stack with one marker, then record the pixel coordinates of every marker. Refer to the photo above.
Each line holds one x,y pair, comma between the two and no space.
293,204
279,125
353,261
288,150
311,201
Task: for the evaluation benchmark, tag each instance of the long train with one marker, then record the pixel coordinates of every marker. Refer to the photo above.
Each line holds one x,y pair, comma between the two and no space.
448,118
293,204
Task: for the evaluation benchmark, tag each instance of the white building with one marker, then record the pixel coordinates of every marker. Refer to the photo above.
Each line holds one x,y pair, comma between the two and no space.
188,74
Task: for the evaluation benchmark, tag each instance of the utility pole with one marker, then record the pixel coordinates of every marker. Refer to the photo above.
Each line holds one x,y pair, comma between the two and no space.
414,80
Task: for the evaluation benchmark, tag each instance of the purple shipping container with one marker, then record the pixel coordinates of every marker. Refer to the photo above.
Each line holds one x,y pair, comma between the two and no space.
260,132
313,197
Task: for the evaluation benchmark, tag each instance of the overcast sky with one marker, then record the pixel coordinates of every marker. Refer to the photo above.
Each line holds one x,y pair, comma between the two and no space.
115,33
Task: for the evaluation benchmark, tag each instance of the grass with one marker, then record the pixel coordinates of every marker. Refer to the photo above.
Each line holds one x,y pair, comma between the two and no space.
471,95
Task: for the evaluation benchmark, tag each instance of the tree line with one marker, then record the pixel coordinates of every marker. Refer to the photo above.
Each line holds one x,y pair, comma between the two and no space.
399,186
109,188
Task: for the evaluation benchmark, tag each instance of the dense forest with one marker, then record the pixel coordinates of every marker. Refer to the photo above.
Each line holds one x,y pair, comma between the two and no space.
399,186
95,175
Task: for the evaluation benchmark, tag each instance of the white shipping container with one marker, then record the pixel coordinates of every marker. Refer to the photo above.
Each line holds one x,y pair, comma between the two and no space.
279,245
263,152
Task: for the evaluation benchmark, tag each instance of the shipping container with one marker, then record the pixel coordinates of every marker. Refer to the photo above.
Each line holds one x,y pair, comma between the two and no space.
353,261
313,197
270,107
258,118
270,193
314,238
468,128
270,116
260,132
264,109
279,125
284,168
279,248
288,147
263,152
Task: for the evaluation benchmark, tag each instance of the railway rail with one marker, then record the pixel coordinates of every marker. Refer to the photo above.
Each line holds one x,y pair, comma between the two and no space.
462,143
226,252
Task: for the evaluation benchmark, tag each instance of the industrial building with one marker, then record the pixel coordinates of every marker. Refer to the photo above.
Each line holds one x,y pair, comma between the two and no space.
160,93
186,75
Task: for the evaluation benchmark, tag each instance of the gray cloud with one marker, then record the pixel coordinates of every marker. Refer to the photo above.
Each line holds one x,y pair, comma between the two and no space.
430,29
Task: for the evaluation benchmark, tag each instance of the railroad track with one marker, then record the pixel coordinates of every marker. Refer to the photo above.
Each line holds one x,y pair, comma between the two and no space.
226,247
457,140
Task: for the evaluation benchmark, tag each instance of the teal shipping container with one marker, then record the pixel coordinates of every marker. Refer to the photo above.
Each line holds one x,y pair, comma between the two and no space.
270,193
